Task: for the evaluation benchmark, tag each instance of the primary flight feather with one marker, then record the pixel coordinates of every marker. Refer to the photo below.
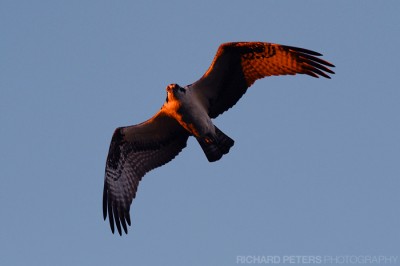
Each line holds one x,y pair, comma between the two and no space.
187,111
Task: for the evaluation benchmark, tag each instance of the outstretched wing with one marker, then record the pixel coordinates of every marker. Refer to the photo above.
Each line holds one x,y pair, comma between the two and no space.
135,150
236,66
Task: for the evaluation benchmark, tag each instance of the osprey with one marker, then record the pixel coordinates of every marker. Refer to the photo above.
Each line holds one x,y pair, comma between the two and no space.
188,111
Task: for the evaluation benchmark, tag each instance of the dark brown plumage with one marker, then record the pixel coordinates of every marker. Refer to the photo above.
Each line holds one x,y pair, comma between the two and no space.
237,65
135,150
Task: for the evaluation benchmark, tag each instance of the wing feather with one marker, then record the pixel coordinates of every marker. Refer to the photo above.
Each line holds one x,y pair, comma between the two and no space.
236,66
134,151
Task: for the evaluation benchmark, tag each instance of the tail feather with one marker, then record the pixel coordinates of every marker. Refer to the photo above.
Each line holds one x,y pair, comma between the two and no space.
214,148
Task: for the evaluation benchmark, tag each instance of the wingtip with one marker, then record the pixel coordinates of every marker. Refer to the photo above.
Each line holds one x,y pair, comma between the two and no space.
128,218
117,222
123,222
330,64
119,231
315,66
105,202
303,50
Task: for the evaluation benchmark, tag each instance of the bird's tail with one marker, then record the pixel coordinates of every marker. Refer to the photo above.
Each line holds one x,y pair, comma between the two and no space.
215,147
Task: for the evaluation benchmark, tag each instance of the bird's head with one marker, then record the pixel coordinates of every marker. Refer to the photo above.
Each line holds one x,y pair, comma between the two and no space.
174,91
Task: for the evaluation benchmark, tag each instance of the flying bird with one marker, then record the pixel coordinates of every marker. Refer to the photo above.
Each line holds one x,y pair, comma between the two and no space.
188,111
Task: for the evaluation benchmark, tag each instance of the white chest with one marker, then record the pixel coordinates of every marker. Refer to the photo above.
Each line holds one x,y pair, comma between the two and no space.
190,114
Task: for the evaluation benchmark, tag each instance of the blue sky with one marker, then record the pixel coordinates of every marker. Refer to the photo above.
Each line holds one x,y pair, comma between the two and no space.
314,170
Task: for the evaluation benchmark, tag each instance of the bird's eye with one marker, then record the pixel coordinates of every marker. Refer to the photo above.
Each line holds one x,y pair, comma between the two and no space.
182,89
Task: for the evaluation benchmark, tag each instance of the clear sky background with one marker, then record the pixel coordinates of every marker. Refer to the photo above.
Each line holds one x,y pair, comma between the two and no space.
315,167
